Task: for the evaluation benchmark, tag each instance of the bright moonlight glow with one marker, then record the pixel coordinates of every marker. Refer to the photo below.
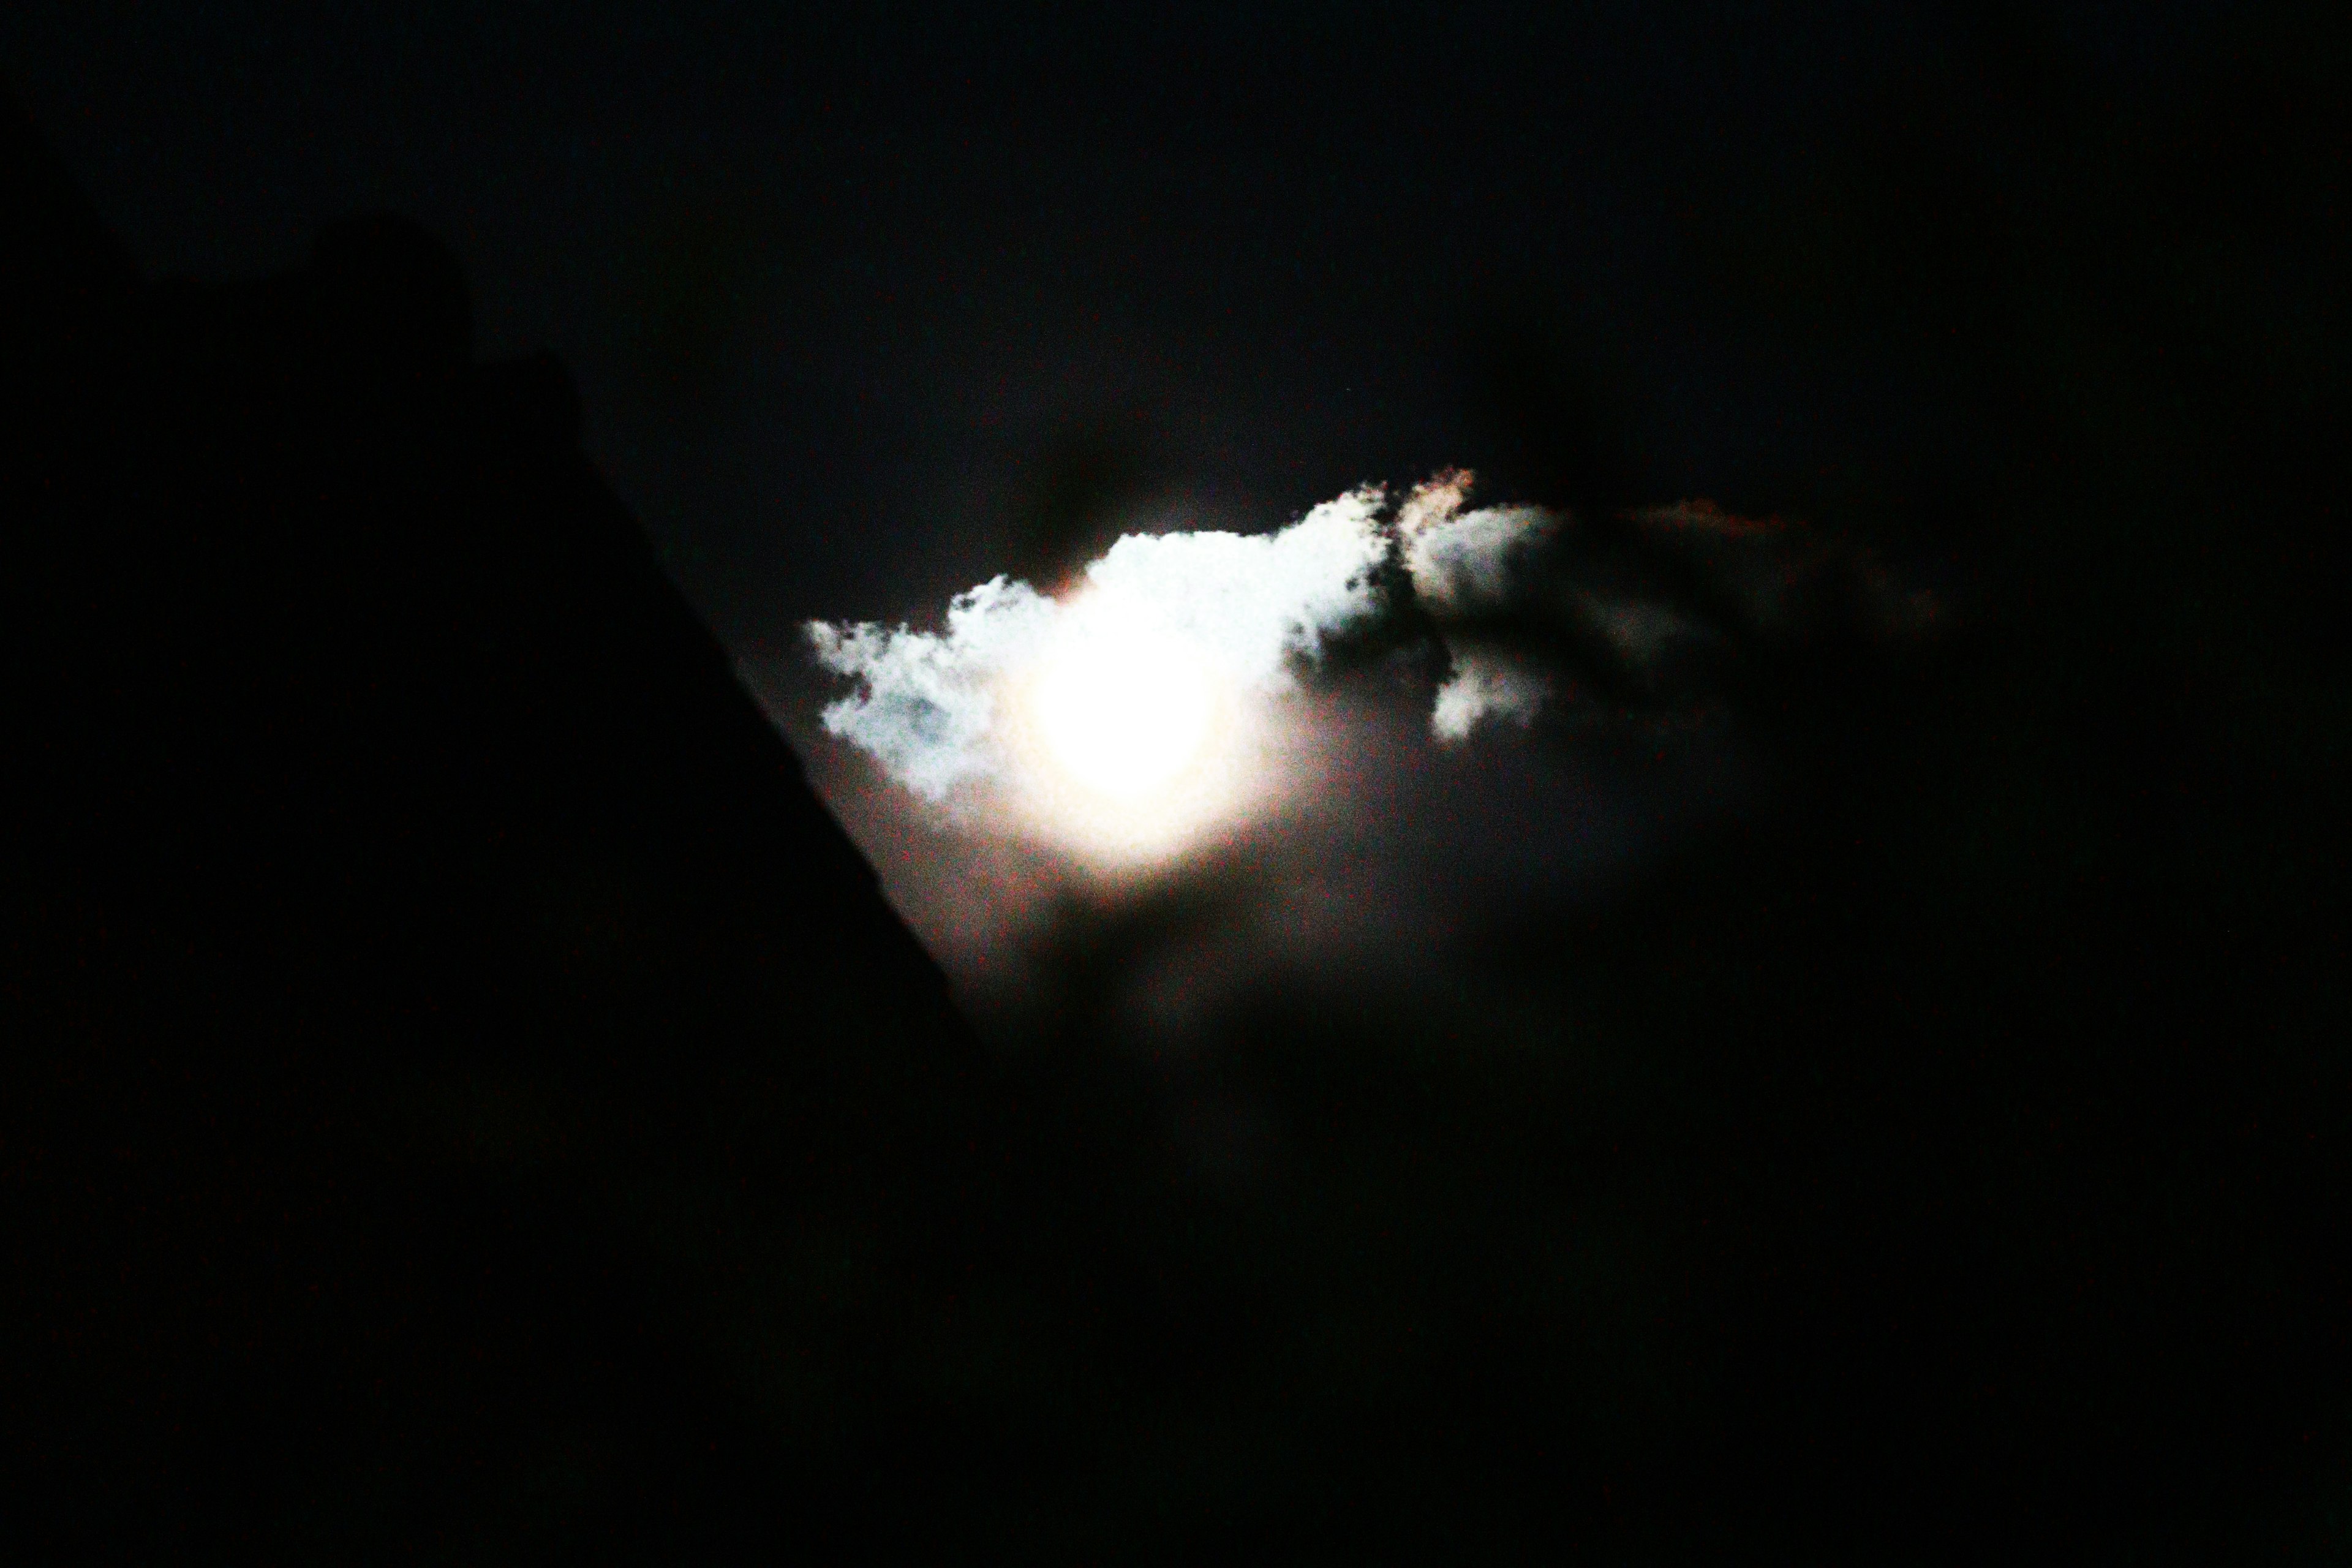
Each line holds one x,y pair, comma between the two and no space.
1131,737
1140,715
1124,711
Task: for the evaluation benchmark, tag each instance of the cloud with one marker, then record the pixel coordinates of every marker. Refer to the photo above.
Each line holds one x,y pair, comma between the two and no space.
1469,564
1253,602
928,700
1487,688
929,705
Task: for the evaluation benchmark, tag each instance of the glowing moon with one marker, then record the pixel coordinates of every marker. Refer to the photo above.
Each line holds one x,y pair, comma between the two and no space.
1124,710
1131,737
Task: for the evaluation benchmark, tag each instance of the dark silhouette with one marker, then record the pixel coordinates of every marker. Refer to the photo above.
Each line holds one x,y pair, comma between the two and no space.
438,1013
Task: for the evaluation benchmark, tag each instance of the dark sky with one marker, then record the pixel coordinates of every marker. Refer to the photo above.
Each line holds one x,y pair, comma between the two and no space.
864,302
848,288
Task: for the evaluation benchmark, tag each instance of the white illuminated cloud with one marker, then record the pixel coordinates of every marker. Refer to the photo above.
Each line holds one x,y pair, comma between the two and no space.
1252,602
1154,630
1121,713
1486,688
1469,564
928,706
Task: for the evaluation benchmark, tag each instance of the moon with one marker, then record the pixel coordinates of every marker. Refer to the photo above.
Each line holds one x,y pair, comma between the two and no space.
1134,732
1124,710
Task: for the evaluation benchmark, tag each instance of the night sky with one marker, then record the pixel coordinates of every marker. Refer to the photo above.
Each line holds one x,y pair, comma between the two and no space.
1739,1053
849,292
866,308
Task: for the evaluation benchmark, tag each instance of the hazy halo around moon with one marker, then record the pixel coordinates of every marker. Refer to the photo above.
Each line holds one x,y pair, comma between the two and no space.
1157,700
1125,721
